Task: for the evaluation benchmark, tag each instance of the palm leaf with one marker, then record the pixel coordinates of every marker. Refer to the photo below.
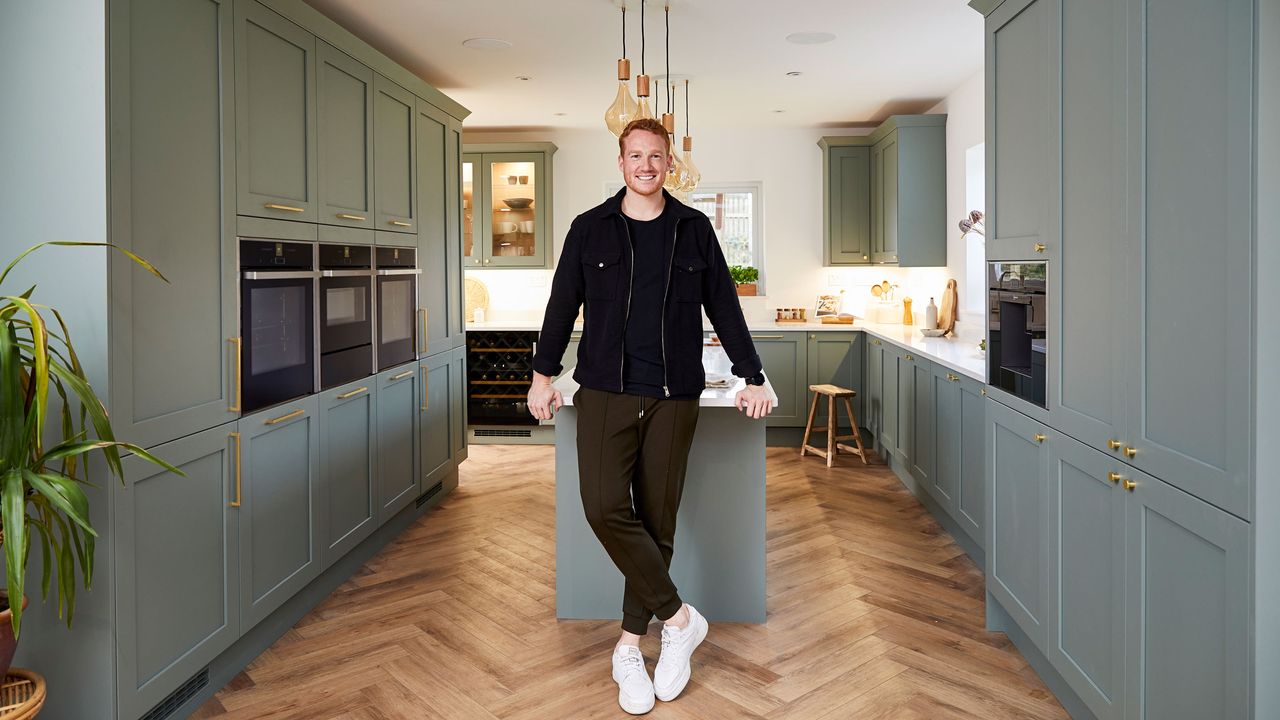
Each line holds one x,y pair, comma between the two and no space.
64,493
40,359
69,243
13,514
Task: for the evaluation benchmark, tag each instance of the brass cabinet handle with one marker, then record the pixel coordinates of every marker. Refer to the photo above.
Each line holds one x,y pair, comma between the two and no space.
983,391
399,223
864,257
286,208
426,394
353,393
877,342
401,376
1130,452
1114,477
953,378
275,421
813,337
1129,485
908,358
349,216
1114,444
235,406
423,344
236,437
486,261
1039,247
1039,437
767,337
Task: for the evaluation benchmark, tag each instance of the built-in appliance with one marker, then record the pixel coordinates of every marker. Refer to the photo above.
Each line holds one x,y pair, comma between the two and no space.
346,313
1017,328
397,275
499,373
277,290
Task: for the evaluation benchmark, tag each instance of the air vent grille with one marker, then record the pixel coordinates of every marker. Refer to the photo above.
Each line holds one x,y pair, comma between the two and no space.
422,500
503,433
179,697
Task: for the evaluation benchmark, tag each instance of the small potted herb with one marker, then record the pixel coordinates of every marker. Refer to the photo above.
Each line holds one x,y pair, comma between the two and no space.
744,277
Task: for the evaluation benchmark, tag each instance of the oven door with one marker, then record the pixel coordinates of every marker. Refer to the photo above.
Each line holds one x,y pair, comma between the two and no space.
276,322
397,291
346,326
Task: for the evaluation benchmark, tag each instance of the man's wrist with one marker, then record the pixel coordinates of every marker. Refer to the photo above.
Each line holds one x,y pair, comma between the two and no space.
757,379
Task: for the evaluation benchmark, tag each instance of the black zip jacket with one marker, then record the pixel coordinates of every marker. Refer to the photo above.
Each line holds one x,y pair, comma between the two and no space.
595,269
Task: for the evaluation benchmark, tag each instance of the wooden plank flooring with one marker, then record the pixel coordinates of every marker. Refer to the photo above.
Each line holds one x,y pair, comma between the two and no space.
874,612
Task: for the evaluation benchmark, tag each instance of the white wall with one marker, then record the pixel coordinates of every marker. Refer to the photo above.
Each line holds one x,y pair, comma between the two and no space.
788,163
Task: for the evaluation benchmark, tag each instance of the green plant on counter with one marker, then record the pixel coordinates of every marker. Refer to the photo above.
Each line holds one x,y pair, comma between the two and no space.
41,487
743,274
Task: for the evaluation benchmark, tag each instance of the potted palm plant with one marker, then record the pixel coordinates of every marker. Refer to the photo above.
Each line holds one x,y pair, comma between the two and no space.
745,278
42,483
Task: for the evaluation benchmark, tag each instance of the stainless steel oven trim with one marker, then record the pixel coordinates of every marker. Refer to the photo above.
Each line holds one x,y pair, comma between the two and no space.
345,273
279,274
400,271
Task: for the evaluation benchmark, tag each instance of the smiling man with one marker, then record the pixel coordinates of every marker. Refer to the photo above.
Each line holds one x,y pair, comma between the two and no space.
645,266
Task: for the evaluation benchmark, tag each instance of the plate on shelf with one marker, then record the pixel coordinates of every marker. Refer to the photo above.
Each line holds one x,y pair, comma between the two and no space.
518,203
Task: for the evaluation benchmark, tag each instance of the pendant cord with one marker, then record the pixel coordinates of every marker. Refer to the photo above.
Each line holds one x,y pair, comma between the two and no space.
624,32
686,108
642,37
667,13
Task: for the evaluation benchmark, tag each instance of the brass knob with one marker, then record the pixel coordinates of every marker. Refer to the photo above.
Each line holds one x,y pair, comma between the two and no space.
908,358
1114,444
1130,452
984,392
864,257
1113,477
1129,484
1039,438
1039,247
813,337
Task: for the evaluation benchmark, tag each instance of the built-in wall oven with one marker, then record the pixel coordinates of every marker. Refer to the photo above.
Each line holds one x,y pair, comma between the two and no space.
397,275
277,290
346,313
1017,328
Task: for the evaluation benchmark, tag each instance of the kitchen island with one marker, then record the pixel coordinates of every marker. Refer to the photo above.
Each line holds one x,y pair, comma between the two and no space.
719,561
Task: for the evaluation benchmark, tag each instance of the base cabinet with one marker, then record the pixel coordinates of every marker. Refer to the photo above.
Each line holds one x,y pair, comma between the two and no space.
971,488
458,405
348,423
434,426
873,388
835,358
783,356
279,506
398,479
176,558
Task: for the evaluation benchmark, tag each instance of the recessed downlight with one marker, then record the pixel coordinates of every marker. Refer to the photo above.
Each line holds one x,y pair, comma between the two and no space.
524,78
779,111
484,43
794,73
810,38
560,114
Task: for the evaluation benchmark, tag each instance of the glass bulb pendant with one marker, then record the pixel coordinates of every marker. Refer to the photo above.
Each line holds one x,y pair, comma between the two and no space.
692,176
624,107
675,174
642,95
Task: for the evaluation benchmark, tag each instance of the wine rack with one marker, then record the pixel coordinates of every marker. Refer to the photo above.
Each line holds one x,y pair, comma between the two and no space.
499,373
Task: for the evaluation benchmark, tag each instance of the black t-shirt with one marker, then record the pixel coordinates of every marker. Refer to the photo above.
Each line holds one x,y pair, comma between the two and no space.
642,369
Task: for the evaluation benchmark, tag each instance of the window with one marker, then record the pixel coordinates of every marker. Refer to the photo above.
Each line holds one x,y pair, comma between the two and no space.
735,211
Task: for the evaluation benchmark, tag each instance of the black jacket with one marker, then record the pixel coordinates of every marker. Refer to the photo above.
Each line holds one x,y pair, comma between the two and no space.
595,268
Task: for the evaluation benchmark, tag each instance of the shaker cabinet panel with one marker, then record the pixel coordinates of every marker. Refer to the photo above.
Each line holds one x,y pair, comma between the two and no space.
458,403
279,523
873,387
454,243
275,115
344,123
397,436
889,198
847,200
889,394
394,167
783,356
923,423
948,455
437,210
172,202
176,582
835,358
1017,544
971,496
434,423
348,422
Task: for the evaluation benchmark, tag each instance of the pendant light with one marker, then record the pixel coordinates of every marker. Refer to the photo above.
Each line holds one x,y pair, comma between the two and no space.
642,80
692,176
624,107
675,168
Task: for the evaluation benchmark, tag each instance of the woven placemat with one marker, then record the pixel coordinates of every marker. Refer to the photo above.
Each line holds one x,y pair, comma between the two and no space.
21,694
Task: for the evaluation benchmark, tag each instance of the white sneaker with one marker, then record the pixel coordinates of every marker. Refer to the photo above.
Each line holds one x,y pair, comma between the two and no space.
672,673
635,689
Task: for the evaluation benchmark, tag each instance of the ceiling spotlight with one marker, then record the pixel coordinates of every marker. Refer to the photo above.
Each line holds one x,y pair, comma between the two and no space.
810,38
482,43
779,111
560,114
523,77
794,73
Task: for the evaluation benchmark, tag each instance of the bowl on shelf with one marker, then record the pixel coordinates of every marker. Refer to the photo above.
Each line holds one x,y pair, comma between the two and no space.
518,203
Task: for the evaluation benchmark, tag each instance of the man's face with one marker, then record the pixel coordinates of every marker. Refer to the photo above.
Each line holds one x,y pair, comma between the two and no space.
644,162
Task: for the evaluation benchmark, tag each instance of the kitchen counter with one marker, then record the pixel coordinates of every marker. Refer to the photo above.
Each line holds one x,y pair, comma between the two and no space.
711,397
955,354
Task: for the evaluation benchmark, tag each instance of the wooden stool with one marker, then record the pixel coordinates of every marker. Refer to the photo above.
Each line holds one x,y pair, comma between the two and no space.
834,445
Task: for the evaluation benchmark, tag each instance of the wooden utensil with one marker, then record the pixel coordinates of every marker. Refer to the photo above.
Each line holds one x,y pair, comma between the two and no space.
949,313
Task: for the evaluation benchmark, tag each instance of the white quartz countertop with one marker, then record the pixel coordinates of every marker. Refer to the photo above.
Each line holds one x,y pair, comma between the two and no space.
711,397
961,355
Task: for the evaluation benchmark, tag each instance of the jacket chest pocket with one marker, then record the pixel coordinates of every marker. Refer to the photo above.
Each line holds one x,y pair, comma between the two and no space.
600,276
687,279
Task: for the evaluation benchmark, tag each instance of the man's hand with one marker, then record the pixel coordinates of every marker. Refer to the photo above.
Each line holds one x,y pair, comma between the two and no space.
753,400
544,400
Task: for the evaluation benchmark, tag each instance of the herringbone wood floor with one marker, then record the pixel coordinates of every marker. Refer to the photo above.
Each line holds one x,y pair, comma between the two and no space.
874,613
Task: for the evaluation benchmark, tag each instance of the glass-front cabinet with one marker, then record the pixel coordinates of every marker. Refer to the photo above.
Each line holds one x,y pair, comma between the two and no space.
506,201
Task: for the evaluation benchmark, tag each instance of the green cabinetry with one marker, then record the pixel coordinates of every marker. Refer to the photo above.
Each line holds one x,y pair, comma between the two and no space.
348,453
970,508
344,116
172,172
507,201
834,358
397,477
275,115
439,285
846,202
434,423
872,416
395,197
458,404
784,356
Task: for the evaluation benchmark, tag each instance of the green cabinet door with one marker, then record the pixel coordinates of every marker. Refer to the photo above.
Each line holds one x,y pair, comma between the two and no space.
846,200
1189,395
873,388
348,446
344,124
783,356
906,406
835,358
517,236
435,423
889,197
475,222
947,426
889,400
175,578
920,159
923,430
275,115
172,201
1017,543
877,203
279,516
394,185
1086,574
1188,606
458,404
457,325
397,436
436,298
971,496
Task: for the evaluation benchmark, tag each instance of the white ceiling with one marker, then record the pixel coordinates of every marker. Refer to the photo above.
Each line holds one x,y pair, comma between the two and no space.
889,56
